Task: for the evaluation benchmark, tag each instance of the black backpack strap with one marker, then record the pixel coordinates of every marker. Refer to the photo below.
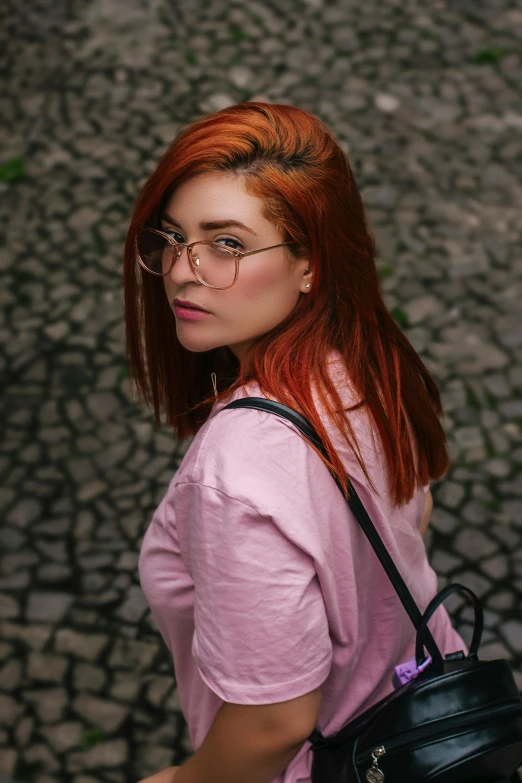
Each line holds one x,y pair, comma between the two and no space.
358,510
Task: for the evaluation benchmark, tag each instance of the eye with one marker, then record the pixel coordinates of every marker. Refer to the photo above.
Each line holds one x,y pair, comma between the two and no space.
229,242
176,236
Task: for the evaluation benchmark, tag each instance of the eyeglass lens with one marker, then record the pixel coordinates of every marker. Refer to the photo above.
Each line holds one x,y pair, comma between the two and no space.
215,264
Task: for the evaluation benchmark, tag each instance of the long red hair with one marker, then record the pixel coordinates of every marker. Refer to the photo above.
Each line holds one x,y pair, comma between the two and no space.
292,162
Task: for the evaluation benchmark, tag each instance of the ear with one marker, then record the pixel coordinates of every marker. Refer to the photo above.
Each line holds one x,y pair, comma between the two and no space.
306,281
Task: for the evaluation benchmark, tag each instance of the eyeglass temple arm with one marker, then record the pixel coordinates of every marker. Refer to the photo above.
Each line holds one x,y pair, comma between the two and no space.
252,252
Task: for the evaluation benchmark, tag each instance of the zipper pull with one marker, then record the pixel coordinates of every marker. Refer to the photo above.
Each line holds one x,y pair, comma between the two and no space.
374,774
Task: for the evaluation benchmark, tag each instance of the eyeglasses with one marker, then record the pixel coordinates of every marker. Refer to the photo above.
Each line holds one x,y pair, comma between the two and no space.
214,265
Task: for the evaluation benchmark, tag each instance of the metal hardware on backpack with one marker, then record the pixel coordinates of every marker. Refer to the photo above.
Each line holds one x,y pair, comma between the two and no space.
458,721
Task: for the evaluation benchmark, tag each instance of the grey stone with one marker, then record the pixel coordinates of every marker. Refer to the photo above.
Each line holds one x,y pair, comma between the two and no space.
57,331
500,442
8,759
84,218
132,654
105,714
48,606
63,736
497,384
107,597
173,703
158,688
41,754
85,779
53,527
134,607
217,102
47,668
53,572
50,703
511,409
10,539
24,731
7,496
422,308
474,581
152,757
84,524
512,631
9,607
17,580
507,536
476,513
128,561
10,675
125,686
24,512
35,636
386,103
468,437
474,544
107,754
450,494
108,378
96,560
113,455
513,510
88,677
353,102
122,582
497,467
240,76
54,550
10,710
443,520
493,651
103,405
81,470
443,562
501,601
496,568
90,490
81,645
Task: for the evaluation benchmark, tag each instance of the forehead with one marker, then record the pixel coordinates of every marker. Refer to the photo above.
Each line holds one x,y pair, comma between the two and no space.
213,196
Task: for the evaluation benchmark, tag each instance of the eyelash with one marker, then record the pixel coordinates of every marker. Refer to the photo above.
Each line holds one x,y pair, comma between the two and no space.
221,239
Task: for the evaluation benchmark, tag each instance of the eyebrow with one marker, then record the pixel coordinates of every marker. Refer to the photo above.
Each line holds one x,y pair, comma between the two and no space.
212,225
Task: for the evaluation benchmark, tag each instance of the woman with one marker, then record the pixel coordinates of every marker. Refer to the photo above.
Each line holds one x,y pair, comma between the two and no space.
278,614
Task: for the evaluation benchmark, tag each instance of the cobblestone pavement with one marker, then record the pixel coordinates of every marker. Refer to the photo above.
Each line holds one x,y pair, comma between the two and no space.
424,98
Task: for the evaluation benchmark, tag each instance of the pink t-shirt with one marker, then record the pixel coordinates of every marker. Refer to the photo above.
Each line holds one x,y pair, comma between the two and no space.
262,583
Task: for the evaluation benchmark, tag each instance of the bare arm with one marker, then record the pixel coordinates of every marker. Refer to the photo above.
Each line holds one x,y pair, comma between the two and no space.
428,508
252,743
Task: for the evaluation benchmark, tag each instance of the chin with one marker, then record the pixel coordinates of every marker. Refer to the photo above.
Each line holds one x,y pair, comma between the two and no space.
199,345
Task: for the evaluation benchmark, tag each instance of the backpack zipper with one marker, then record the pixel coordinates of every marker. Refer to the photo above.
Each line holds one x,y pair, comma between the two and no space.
428,730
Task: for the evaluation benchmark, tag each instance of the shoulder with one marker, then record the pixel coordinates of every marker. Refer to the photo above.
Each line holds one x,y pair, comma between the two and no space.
250,452
243,453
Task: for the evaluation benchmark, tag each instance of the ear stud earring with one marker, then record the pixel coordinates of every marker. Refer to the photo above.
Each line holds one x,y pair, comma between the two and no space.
307,285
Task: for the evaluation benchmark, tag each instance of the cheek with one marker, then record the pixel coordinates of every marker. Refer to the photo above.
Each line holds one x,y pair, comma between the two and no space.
258,279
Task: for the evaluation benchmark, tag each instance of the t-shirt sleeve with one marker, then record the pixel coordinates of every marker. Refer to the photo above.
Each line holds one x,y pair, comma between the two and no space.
261,632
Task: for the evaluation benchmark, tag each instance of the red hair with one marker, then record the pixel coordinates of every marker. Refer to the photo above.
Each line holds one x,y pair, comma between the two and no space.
292,162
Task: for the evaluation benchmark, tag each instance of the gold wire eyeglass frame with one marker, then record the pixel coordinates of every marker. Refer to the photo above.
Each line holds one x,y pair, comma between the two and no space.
193,258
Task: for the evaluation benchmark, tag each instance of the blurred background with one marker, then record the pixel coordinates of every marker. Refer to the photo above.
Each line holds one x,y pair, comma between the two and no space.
426,100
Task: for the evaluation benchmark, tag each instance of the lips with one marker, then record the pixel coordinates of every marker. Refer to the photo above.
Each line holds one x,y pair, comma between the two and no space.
188,305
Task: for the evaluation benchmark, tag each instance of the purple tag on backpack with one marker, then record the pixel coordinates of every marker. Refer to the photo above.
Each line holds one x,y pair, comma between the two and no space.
407,671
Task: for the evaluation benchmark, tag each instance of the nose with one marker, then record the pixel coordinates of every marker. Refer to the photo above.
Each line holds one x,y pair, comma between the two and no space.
181,271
